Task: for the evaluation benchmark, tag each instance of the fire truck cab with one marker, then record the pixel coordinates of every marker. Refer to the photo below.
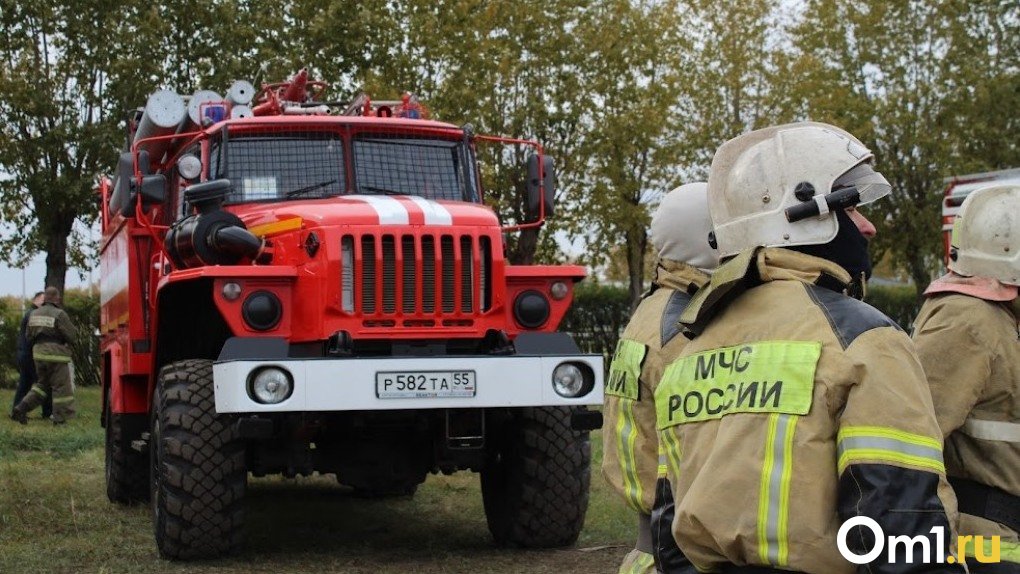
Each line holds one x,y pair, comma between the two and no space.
292,286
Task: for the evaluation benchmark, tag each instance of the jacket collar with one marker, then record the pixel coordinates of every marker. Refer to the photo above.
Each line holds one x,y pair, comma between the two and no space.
680,276
986,288
752,268
778,264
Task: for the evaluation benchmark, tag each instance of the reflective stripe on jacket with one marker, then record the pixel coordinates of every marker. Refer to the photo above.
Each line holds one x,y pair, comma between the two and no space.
630,456
794,410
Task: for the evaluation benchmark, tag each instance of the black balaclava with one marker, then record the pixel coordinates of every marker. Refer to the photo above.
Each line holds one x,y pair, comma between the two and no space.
849,248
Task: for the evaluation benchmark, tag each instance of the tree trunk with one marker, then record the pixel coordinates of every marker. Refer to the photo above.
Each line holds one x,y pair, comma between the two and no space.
920,274
637,241
524,250
56,261
57,225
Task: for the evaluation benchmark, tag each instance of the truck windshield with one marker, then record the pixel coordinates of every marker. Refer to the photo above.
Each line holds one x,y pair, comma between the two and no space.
408,165
281,166
304,165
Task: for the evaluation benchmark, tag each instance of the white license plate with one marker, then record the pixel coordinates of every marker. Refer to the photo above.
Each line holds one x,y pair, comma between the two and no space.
425,384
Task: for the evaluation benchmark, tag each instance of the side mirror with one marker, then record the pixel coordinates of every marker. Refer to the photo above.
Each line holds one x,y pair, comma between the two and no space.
124,188
153,189
537,180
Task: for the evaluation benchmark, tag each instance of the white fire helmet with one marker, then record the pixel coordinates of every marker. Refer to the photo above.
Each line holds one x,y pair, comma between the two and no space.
681,226
775,187
986,235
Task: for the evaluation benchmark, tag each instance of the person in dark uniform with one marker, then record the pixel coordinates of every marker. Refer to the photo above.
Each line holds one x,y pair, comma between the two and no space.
26,366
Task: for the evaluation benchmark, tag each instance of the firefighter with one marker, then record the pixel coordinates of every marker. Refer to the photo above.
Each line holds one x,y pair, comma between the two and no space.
796,408
679,233
968,338
26,366
50,333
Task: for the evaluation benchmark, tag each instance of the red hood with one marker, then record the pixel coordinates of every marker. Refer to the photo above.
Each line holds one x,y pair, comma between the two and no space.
369,210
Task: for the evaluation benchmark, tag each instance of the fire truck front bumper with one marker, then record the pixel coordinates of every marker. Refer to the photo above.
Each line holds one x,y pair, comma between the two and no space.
282,384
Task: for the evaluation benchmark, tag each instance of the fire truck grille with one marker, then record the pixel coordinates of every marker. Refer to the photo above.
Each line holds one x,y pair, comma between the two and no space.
409,275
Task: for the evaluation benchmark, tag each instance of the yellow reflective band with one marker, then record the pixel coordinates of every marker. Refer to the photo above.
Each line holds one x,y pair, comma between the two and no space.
62,400
275,227
643,563
763,489
38,390
774,491
765,377
663,468
46,358
672,448
992,549
889,432
784,496
1008,551
626,435
886,445
625,370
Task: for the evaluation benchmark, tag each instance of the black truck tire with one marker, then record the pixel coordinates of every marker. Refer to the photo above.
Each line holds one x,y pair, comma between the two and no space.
198,467
127,470
535,483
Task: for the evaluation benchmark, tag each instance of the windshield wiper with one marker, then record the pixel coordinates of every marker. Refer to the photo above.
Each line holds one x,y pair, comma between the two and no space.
372,188
309,188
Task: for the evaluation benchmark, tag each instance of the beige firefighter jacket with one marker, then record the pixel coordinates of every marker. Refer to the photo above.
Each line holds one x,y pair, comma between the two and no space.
630,449
970,349
795,409
50,332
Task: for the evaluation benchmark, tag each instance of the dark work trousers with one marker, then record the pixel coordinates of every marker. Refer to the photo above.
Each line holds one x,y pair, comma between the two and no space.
27,378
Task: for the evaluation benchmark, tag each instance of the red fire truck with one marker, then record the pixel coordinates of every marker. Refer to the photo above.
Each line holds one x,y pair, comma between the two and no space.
292,286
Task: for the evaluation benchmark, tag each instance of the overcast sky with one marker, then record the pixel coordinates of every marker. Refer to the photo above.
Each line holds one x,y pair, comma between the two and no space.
34,276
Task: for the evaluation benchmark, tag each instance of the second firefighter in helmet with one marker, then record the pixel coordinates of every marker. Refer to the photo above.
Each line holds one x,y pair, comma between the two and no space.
968,337
796,407
679,233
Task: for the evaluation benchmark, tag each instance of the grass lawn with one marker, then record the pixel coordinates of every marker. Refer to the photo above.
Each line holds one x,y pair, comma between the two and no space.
54,517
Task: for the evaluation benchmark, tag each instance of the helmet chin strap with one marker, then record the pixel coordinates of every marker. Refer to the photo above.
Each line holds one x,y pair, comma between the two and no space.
848,249
858,287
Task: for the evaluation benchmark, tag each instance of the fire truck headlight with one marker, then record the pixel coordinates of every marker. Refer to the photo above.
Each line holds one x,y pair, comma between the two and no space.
231,291
189,166
270,385
262,310
572,380
531,309
559,290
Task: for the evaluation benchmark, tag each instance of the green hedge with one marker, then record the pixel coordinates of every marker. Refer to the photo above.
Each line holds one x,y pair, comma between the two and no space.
900,303
600,313
83,308
597,317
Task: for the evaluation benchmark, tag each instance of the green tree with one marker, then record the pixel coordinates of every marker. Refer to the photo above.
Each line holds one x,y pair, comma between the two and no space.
57,121
914,80
507,68
733,73
631,151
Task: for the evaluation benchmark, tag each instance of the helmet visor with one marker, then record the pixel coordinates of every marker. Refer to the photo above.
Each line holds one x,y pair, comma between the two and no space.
870,184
